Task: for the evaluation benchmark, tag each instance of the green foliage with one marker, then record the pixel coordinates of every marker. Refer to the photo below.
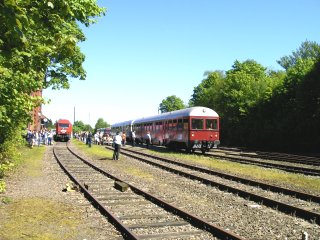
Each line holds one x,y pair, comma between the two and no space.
307,50
267,109
171,103
101,124
78,126
286,113
207,92
2,186
38,49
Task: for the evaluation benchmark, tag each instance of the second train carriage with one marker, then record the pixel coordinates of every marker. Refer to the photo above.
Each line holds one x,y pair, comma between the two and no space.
190,129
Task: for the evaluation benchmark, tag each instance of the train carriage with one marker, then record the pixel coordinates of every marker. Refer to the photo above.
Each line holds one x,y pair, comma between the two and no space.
190,129
125,126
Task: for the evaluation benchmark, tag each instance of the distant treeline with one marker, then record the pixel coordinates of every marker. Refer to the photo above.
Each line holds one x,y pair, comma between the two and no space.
267,109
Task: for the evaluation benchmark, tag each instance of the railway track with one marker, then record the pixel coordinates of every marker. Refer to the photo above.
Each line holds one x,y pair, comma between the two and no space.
136,213
282,157
266,162
285,162
299,204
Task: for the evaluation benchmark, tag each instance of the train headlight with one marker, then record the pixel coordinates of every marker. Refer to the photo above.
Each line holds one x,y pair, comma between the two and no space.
192,134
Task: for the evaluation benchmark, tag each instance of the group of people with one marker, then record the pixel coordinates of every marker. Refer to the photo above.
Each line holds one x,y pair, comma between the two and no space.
120,140
99,138
36,138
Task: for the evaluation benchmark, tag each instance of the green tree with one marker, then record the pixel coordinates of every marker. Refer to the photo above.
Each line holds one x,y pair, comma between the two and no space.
307,50
38,49
78,126
245,84
207,93
171,103
101,124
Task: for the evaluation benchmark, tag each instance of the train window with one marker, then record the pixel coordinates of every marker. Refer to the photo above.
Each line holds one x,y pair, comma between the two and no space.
174,123
185,123
197,123
211,124
64,125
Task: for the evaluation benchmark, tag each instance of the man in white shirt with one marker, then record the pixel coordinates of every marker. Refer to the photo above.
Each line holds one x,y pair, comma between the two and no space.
117,146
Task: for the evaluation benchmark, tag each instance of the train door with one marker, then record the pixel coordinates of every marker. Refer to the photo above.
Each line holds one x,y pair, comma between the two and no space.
165,132
180,130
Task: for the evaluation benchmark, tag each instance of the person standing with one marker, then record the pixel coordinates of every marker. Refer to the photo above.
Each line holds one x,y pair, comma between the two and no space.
50,138
117,141
124,138
89,139
148,139
133,137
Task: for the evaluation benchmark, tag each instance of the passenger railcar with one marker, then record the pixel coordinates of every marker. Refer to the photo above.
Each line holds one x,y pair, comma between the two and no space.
105,131
190,129
63,130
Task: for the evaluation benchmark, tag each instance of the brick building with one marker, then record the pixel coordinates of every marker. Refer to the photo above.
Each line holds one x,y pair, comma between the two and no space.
37,116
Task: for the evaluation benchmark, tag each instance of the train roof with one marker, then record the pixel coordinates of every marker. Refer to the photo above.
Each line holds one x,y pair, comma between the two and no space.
187,112
63,121
125,123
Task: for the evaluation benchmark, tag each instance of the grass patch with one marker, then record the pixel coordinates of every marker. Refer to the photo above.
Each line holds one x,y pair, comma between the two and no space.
32,160
96,151
40,219
103,153
269,175
138,173
26,159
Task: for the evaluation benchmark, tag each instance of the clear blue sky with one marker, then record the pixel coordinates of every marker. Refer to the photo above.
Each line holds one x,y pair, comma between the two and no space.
143,51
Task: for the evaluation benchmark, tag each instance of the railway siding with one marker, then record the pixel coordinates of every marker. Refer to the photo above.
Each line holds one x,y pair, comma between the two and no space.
287,204
154,229
223,208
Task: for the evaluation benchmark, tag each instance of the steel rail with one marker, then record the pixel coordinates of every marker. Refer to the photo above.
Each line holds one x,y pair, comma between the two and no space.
127,233
302,170
283,207
274,156
192,219
262,185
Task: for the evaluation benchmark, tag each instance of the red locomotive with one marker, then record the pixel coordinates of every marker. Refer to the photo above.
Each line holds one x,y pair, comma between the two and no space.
63,130
190,129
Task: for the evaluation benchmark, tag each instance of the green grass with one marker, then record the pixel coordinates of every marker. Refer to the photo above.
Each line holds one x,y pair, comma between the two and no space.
100,152
25,159
41,219
272,176
38,218
300,181
31,160
96,151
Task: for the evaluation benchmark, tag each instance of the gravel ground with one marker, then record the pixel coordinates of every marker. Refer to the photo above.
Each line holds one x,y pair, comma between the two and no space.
245,218
49,186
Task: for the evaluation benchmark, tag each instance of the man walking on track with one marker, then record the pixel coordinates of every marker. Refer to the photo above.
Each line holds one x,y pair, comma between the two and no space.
117,146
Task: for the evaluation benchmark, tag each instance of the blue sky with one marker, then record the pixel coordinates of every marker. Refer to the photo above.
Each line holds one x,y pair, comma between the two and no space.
143,51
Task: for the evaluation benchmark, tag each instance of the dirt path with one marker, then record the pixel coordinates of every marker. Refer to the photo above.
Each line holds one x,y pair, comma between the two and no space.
35,206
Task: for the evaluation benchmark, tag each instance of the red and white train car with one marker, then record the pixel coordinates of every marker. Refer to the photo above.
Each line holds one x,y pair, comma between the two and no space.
190,129
63,130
